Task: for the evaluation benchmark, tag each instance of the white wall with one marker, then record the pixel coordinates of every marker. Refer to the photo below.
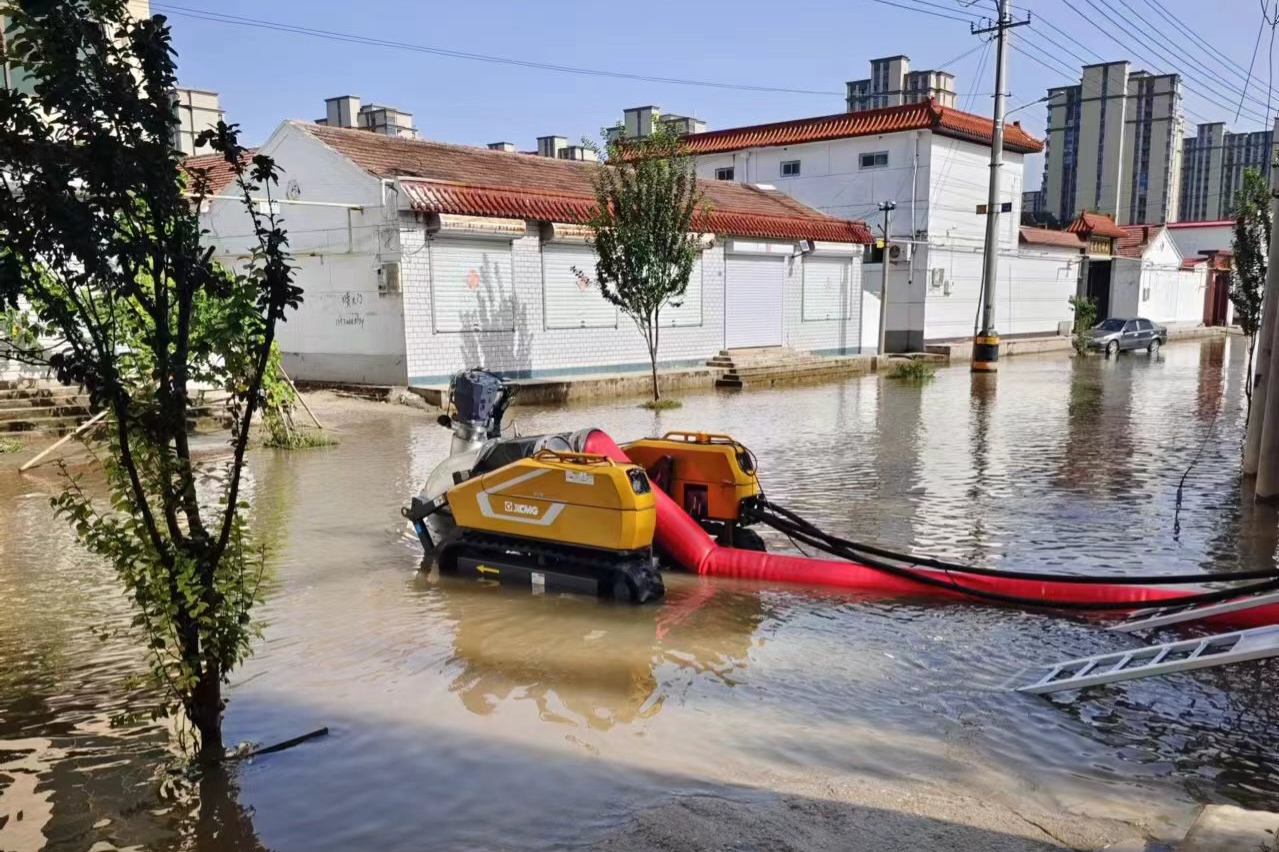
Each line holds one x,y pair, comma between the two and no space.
345,329
533,349
1169,294
1125,288
952,178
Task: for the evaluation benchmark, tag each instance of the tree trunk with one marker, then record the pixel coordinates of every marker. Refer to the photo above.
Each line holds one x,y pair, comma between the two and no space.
652,357
205,713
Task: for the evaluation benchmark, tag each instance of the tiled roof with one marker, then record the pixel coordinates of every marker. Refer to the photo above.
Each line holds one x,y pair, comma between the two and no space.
480,182
1135,239
1050,237
516,203
1096,224
944,121
217,168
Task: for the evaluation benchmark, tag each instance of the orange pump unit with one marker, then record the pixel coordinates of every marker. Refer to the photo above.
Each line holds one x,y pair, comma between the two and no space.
707,474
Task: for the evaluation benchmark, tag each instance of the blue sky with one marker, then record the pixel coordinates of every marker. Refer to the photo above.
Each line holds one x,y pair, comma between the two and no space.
265,76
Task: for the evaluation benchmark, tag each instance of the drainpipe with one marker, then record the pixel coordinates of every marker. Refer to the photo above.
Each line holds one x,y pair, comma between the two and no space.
914,227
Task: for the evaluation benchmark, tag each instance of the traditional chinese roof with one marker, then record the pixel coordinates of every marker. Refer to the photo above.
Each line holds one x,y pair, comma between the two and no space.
1135,239
218,169
944,121
459,179
1096,225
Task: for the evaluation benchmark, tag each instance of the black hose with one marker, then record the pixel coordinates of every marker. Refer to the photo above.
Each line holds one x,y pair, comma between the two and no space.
759,514
819,540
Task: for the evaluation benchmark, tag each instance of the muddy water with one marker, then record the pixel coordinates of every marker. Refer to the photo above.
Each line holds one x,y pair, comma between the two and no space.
466,717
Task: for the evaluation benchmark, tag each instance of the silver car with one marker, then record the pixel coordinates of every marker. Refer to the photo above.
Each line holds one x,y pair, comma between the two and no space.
1117,335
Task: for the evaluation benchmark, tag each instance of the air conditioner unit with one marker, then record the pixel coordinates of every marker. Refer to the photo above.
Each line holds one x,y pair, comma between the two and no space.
899,252
388,278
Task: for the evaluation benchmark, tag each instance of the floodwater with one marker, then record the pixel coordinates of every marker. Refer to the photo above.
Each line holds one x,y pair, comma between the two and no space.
469,717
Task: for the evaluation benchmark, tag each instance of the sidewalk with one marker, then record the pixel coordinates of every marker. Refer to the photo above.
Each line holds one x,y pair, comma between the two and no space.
962,350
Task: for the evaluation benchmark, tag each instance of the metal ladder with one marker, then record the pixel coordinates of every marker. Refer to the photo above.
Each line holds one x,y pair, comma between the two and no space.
1185,655
1180,614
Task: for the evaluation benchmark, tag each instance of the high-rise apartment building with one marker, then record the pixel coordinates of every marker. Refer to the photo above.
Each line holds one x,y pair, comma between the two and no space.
892,83
1114,145
1212,167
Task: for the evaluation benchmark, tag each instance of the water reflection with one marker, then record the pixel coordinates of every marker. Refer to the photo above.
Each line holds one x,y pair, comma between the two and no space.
581,663
445,697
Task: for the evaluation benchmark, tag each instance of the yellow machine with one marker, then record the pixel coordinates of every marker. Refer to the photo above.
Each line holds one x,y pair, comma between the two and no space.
709,475
557,521
568,498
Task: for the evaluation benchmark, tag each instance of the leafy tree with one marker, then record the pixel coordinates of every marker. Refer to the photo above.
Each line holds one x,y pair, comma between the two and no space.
1085,308
1251,246
101,245
646,196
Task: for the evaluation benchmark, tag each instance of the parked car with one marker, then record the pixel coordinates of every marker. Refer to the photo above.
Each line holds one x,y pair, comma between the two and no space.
1116,334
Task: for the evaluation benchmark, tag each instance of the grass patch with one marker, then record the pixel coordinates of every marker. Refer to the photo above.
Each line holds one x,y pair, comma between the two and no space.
661,404
912,370
10,445
299,439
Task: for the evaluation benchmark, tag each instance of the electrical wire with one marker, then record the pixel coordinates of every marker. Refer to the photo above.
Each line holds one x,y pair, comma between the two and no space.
219,17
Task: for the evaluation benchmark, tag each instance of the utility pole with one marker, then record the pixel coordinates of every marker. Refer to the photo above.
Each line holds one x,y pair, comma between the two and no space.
986,343
885,207
1262,366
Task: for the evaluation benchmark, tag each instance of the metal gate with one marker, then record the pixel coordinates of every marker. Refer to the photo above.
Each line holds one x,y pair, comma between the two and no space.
753,295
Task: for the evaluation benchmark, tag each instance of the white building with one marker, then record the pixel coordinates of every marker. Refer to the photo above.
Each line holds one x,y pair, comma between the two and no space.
197,110
934,162
420,258
892,83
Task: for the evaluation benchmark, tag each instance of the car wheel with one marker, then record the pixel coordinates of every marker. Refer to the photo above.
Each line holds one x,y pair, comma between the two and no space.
1153,348
1112,348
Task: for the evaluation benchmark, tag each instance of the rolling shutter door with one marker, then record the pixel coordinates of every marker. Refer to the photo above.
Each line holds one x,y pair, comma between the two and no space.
572,301
471,285
831,291
689,311
754,289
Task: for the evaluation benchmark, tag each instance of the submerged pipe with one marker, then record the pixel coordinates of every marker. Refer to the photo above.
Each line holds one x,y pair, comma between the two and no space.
690,547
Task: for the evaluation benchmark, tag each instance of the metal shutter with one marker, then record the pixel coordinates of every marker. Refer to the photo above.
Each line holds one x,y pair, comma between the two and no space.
753,296
471,285
689,312
831,291
572,301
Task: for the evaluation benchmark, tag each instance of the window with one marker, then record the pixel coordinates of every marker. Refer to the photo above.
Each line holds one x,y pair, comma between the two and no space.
724,174
1144,324
790,168
876,160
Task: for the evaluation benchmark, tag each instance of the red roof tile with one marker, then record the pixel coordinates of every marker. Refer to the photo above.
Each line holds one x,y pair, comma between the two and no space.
944,121
481,182
1135,239
515,203
217,168
1098,224
1050,237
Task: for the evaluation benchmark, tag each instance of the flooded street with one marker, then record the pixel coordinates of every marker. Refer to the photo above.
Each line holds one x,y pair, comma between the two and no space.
468,717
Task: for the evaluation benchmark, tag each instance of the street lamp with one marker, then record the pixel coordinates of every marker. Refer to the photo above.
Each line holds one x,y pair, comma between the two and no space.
885,207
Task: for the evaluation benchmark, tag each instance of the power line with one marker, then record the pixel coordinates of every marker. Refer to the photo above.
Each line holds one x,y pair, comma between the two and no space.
923,11
1261,26
1217,78
1206,47
218,17
1186,78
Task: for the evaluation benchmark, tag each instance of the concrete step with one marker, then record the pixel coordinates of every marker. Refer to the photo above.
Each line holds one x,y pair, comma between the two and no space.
33,396
822,365
27,412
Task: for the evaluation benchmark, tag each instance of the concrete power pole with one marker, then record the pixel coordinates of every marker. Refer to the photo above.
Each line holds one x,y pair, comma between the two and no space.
986,343
1262,366
885,207
4,53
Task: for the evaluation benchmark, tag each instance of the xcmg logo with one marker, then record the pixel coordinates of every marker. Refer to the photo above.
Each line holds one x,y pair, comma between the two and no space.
521,508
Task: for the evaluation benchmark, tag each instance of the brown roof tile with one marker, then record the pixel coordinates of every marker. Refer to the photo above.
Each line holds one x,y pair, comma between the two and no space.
217,168
944,121
1050,237
1096,224
480,182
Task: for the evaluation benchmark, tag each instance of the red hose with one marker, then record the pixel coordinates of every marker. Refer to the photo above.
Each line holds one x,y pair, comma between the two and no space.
683,539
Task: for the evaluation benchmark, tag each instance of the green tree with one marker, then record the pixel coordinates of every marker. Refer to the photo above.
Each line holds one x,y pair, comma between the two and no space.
646,196
1085,308
1251,245
101,245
